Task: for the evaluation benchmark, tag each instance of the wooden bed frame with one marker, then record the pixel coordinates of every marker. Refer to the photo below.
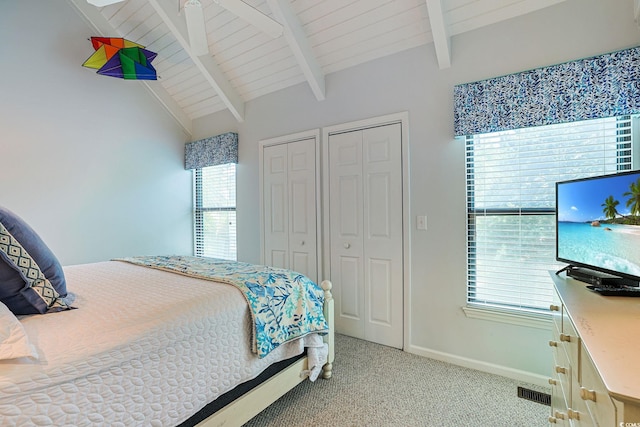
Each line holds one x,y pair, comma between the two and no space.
255,401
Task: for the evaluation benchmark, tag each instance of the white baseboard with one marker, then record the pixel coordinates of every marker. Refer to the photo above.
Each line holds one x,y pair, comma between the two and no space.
515,374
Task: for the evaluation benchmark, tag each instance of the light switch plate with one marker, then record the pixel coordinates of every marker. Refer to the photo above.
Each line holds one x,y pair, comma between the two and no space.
421,222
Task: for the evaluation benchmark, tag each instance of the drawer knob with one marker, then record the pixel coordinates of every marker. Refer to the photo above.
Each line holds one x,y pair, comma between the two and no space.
573,415
587,394
561,370
554,307
553,420
553,343
565,338
552,381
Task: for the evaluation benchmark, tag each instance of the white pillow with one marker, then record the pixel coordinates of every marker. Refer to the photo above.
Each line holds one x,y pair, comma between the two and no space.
14,342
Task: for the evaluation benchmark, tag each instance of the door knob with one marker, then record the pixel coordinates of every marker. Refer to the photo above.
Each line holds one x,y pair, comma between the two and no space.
347,246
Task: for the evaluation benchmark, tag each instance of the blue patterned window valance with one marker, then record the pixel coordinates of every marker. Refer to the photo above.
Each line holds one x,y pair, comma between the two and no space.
602,86
216,150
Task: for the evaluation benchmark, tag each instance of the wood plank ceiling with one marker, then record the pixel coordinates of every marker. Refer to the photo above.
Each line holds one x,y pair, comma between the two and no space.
320,37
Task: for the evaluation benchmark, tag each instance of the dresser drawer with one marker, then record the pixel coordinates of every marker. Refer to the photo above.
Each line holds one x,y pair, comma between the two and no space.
559,418
558,415
562,372
578,412
570,341
594,394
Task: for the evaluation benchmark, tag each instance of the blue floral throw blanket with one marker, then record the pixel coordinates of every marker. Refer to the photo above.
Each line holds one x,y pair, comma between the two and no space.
284,304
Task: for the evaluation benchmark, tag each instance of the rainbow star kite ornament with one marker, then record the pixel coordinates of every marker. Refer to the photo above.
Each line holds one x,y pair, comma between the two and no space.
118,57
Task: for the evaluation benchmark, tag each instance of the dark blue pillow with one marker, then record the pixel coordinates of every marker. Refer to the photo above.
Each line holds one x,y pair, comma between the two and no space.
31,278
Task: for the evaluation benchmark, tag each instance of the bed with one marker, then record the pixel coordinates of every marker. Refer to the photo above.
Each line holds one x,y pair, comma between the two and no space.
142,344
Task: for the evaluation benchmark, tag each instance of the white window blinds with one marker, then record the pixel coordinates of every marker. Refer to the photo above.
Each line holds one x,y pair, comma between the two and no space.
215,211
511,179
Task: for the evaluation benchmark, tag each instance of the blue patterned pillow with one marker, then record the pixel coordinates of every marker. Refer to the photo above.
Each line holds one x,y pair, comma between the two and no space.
31,278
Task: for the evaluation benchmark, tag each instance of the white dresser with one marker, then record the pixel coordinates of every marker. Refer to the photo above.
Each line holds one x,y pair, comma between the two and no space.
596,346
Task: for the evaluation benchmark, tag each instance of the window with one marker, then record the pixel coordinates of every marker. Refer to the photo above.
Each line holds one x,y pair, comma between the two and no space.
511,179
215,211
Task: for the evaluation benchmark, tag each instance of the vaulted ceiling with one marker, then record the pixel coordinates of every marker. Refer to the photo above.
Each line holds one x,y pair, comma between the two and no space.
319,37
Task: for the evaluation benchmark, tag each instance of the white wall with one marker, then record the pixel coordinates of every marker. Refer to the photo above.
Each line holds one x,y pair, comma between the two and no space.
93,163
411,81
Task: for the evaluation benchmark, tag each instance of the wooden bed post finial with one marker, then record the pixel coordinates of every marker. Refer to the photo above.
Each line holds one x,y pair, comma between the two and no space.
326,286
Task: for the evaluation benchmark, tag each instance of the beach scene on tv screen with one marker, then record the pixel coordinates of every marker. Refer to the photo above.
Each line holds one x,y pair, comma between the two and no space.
599,222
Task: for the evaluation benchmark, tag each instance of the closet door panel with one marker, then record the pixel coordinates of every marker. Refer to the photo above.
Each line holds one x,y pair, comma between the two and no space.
347,268
302,207
278,259
379,300
276,210
350,297
378,210
349,273
348,208
382,194
302,263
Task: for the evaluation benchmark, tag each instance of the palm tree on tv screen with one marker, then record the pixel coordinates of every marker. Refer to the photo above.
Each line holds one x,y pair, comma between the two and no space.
634,198
610,207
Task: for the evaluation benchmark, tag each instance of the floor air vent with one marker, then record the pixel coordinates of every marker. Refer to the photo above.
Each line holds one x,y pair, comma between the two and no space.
534,396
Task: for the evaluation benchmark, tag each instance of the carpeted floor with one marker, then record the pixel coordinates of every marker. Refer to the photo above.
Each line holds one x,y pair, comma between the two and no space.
378,386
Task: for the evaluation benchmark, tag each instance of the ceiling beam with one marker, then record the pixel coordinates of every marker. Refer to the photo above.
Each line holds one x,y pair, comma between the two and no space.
166,9
300,46
441,39
101,26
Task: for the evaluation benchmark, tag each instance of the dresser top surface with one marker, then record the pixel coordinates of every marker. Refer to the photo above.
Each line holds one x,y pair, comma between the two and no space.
610,331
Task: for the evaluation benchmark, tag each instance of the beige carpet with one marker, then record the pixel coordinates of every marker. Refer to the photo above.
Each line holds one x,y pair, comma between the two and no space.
374,385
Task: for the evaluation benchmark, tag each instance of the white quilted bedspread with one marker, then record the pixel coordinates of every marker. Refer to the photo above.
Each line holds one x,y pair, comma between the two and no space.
144,348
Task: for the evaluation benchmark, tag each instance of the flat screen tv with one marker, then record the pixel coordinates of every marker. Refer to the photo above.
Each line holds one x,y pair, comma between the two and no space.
598,224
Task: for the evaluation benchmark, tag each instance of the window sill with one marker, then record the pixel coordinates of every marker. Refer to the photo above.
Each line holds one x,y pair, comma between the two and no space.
512,317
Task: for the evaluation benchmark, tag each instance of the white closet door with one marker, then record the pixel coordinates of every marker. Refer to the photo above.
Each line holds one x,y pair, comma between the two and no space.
346,210
302,208
276,206
290,206
383,276
365,187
